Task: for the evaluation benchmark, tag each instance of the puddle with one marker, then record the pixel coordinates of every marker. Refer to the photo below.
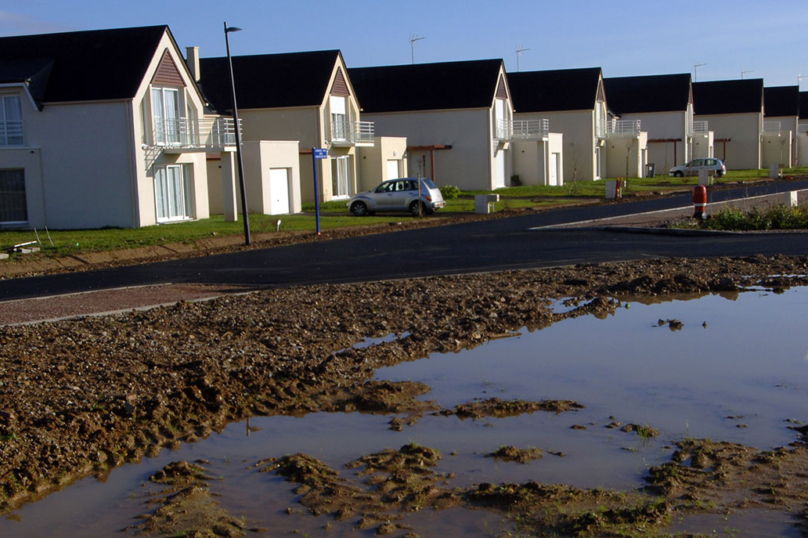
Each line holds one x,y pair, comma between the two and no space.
736,371
751,523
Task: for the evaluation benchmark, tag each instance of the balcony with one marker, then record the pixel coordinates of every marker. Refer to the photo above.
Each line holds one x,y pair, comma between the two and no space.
11,133
622,129
771,127
528,129
356,133
207,134
700,128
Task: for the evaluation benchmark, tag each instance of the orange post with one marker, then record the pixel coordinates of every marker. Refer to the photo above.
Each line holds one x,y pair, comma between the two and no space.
700,202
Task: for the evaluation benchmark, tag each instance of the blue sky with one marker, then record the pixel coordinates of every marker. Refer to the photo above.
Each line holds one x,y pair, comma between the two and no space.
624,37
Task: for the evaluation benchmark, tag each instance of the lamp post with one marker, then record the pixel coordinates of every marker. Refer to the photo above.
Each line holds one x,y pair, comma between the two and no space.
242,189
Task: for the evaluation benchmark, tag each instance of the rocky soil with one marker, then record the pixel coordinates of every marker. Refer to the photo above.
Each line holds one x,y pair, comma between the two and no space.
78,397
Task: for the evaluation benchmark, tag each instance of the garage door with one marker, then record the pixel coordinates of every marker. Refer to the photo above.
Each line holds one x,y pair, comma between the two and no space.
392,169
278,191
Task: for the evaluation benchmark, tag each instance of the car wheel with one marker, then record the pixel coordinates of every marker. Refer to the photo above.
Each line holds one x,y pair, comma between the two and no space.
359,209
414,208
678,173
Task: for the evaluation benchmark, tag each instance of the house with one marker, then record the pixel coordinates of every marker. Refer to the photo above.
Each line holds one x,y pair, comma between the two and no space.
802,132
102,128
780,125
301,96
664,105
573,101
734,111
456,117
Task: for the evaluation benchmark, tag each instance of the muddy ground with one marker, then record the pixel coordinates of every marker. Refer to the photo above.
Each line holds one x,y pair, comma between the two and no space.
78,397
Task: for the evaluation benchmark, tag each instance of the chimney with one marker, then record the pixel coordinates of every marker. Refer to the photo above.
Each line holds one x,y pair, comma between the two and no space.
192,59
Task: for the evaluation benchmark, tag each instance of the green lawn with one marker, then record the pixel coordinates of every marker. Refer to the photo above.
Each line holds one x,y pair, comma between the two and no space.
336,215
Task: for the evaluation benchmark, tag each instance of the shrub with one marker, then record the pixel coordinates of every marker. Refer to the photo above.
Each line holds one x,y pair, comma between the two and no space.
780,217
449,192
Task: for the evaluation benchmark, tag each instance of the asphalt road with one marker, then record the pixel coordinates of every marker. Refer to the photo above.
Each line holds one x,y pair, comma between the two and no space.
489,245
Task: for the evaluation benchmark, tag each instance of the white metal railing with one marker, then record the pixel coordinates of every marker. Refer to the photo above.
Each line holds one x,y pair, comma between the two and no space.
201,133
701,127
11,133
771,126
530,129
628,128
357,132
504,128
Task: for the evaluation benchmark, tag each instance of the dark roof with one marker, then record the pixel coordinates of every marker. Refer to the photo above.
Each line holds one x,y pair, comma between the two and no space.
728,96
561,89
782,101
269,80
436,86
80,66
656,93
804,105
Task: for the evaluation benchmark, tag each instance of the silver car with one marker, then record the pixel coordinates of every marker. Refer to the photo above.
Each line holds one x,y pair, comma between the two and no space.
692,168
398,195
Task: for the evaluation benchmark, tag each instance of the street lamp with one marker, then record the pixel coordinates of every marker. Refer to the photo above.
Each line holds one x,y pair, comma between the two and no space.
242,189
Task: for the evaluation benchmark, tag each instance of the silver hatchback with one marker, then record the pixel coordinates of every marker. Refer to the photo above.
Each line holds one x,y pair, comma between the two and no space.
398,195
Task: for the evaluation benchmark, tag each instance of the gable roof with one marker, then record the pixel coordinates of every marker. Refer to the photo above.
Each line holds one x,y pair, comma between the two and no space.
435,86
728,96
80,66
269,80
804,105
782,101
555,90
654,93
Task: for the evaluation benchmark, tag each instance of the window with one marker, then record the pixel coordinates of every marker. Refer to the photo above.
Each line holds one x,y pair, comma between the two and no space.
339,119
10,121
12,196
173,193
167,113
340,177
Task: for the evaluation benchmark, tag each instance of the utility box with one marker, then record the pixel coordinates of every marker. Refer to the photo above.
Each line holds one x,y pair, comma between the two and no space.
704,177
650,170
614,189
774,171
484,203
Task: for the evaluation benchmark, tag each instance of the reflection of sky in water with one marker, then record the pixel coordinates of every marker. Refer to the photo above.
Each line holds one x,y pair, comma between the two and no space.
749,363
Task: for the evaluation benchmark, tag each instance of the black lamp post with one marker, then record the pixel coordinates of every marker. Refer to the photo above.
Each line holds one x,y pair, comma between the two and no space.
242,189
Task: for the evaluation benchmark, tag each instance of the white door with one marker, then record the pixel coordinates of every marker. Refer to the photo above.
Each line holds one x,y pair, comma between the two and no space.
392,169
500,158
172,193
598,164
279,191
340,176
553,169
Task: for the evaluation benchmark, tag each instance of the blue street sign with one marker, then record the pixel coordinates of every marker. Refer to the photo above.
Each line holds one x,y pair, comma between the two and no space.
320,153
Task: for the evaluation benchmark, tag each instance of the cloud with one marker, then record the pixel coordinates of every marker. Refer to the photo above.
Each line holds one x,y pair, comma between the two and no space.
15,24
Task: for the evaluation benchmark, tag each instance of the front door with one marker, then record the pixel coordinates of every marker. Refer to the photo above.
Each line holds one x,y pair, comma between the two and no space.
279,191
172,193
392,169
340,177
554,169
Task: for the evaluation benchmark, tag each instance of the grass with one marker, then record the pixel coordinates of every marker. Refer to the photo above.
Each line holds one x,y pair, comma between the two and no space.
336,215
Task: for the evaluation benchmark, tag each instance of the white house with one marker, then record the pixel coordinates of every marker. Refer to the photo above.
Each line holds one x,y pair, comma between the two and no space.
456,117
781,116
102,128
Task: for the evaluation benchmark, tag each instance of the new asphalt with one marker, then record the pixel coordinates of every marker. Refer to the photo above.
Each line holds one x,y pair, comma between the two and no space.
482,246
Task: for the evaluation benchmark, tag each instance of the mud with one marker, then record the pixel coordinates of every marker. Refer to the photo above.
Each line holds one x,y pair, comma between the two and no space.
494,407
79,397
519,455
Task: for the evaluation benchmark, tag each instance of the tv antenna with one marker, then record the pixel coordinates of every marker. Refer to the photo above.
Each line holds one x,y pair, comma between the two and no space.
745,72
799,78
519,51
696,71
413,40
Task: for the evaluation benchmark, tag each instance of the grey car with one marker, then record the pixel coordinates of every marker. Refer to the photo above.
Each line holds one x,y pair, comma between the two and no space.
398,195
692,168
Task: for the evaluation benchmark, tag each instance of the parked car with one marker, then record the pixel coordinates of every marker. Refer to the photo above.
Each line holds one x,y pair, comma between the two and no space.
692,168
398,195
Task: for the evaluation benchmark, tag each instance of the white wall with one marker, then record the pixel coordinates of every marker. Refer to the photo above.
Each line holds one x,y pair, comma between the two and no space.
468,164
744,130
776,149
259,158
373,160
665,126
578,130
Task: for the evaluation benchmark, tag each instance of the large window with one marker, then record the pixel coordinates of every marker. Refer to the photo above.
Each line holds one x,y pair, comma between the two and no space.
167,114
12,196
340,177
10,121
339,119
173,193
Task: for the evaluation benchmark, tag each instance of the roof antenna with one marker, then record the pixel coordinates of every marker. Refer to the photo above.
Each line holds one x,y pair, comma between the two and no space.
799,78
696,71
519,51
745,72
413,39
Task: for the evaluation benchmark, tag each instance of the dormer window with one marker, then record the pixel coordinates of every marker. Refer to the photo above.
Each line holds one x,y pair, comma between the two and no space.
339,118
168,116
10,121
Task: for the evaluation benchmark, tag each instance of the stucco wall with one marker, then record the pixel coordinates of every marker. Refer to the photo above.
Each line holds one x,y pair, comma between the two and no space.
468,164
744,130
665,126
578,128
259,159
373,160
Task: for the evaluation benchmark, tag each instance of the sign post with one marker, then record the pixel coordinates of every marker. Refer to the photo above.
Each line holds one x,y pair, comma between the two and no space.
317,154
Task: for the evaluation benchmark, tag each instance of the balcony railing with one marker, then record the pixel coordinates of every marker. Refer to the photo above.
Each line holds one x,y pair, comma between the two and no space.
771,126
202,133
352,133
11,133
700,127
622,128
530,129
